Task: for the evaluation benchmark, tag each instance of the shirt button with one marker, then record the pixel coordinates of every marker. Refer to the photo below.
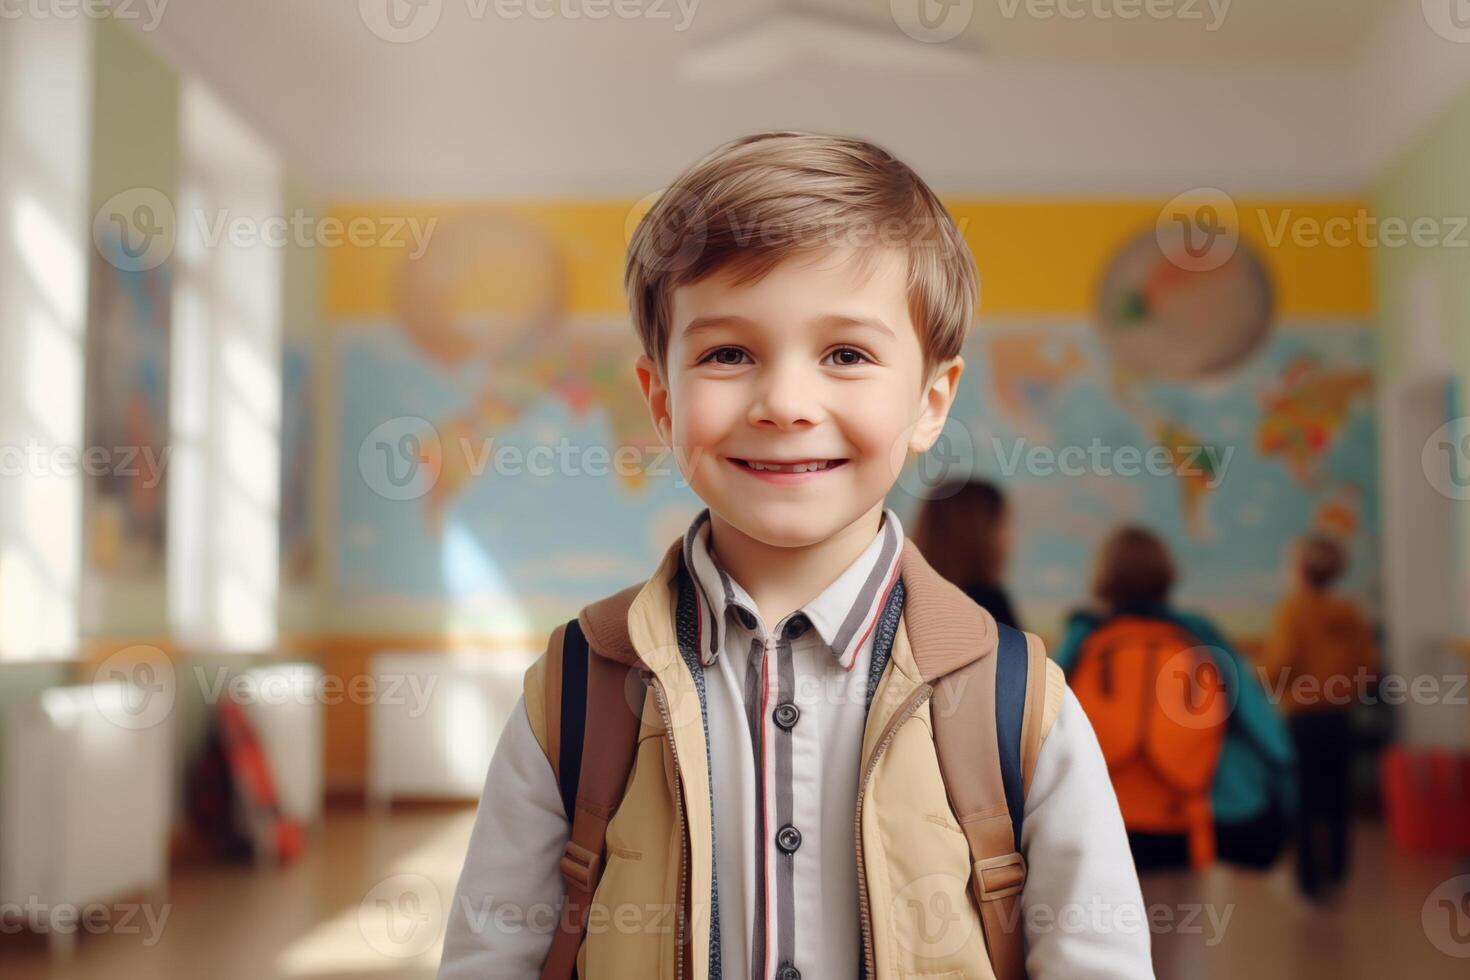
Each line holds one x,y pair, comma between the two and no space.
788,972
746,619
786,715
796,627
788,838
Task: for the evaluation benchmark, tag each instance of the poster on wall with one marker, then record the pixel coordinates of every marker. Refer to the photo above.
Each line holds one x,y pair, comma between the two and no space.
127,408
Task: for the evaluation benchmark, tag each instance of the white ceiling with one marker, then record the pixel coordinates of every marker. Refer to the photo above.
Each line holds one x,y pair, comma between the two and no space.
1266,101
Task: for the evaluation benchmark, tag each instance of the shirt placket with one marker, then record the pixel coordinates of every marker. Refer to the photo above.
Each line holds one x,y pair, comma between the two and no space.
774,714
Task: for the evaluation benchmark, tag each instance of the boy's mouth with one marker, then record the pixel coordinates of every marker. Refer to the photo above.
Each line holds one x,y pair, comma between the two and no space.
794,466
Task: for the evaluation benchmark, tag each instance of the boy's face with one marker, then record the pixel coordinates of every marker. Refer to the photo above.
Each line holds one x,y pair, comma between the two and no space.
815,362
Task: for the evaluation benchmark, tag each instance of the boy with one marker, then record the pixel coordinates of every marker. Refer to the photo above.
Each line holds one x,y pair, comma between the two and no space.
801,300
1317,644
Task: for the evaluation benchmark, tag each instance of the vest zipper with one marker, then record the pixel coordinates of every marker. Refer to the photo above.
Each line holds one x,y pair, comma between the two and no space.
904,713
679,915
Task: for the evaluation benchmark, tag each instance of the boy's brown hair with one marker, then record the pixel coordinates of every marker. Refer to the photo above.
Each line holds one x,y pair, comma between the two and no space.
1321,560
757,200
1133,568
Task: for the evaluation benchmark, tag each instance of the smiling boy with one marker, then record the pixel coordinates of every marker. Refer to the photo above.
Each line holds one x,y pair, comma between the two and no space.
796,751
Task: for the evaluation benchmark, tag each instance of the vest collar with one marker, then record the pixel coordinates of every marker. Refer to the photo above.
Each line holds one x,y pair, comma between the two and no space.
946,630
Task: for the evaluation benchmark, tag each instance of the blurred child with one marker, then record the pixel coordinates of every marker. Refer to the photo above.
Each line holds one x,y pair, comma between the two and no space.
1318,642
1199,760
964,532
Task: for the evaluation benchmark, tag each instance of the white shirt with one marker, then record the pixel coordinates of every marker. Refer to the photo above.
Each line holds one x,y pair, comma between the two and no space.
786,708
1081,904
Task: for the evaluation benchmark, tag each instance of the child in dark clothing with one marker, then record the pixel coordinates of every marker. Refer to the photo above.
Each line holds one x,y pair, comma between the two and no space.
1318,641
964,532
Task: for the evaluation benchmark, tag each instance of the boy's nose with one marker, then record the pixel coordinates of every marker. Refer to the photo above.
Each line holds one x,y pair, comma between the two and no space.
787,397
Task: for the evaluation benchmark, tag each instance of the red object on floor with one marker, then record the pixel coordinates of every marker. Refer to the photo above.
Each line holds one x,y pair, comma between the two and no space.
1426,793
280,838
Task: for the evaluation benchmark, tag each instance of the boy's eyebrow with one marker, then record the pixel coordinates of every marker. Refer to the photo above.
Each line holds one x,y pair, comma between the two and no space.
843,320
826,320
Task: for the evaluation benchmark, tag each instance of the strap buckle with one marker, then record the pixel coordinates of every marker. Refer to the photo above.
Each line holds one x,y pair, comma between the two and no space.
580,867
999,877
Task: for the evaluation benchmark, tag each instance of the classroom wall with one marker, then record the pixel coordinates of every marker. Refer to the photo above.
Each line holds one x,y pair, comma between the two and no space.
475,553
510,332
1423,290
1423,316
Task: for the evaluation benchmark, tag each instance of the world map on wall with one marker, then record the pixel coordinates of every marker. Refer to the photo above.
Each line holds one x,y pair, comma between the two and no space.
1282,444
1178,407
1302,413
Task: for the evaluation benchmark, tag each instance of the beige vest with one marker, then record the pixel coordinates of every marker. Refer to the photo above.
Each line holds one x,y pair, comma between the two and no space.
650,915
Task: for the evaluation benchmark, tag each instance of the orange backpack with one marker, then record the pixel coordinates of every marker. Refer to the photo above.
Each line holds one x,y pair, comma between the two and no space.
1159,707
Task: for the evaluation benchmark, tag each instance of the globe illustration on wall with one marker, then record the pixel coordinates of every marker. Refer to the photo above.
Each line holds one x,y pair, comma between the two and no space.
1162,314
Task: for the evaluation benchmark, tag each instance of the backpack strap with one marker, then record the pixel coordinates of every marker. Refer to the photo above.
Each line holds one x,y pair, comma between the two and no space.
593,775
987,740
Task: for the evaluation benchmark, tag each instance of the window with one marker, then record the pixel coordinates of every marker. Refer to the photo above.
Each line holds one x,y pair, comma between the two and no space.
224,496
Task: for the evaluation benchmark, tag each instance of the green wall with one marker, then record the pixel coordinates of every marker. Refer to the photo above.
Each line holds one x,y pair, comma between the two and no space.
1430,178
135,144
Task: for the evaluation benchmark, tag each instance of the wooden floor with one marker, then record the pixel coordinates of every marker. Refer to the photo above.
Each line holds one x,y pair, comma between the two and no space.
367,901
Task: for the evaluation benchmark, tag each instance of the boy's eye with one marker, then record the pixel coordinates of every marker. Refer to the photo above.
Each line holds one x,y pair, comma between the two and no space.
859,355
716,354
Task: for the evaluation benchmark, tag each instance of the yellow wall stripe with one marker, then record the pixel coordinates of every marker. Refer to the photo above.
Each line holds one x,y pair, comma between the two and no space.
1034,256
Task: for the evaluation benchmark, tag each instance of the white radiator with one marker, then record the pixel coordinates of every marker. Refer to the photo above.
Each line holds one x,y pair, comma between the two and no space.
435,719
284,708
85,798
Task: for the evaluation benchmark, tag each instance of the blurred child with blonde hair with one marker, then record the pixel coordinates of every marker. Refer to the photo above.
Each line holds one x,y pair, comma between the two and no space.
1318,643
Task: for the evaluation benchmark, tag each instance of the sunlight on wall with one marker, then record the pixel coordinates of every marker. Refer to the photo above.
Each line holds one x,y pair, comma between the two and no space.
45,101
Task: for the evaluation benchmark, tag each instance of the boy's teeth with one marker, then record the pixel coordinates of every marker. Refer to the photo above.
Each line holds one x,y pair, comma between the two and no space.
792,468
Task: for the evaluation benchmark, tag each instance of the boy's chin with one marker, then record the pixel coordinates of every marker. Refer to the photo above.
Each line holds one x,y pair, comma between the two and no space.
797,525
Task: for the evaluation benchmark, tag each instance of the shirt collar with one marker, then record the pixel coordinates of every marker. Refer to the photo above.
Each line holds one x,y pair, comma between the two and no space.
843,614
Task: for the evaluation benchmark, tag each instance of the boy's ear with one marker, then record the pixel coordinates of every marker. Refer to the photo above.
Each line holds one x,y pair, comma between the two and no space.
935,402
656,394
